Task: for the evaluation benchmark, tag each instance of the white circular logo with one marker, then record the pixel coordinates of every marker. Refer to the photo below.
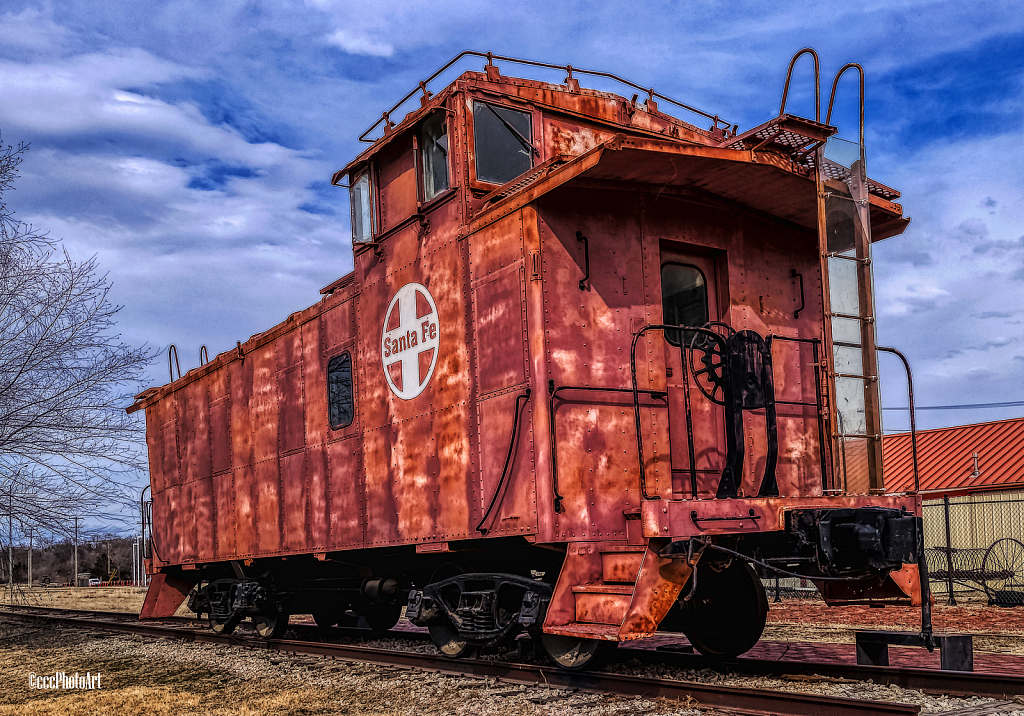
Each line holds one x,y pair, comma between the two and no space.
409,340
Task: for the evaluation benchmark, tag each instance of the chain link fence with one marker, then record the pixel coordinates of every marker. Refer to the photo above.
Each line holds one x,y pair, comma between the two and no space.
974,546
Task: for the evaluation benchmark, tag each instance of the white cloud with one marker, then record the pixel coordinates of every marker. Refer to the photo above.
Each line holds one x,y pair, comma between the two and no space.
357,44
32,30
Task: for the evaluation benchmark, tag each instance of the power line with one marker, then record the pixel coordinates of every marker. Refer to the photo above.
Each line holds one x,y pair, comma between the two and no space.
968,406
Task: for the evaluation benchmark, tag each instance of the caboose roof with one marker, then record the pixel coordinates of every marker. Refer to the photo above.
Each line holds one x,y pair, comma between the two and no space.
570,99
764,182
660,149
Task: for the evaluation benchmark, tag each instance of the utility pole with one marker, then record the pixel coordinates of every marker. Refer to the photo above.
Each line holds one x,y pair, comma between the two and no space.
30,558
108,560
74,579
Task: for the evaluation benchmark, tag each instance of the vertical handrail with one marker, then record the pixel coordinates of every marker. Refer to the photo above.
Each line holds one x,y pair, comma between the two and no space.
636,398
796,274
586,259
825,461
525,397
832,99
817,83
142,514
172,350
204,355
913,420
842,445
689,418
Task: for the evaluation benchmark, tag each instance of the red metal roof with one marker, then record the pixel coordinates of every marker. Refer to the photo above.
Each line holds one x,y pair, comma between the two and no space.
946,463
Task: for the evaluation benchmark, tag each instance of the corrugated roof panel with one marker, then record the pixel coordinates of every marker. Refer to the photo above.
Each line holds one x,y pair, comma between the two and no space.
945,461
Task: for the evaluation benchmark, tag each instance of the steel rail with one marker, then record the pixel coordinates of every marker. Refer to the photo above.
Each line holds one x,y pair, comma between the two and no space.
961,684
933,681
780,703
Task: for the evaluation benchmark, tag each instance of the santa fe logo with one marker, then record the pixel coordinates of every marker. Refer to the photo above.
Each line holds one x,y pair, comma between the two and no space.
408,344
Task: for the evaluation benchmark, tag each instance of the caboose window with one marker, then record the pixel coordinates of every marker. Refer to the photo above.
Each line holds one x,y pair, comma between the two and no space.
435,155
503,141
684,298
360,199
340,402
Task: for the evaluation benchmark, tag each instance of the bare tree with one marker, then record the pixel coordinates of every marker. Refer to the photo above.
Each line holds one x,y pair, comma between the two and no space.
67,447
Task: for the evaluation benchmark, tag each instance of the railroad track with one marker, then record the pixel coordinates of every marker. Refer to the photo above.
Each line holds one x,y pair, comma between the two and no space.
744,700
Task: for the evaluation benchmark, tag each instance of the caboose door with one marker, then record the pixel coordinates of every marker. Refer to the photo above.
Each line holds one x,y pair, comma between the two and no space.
689,288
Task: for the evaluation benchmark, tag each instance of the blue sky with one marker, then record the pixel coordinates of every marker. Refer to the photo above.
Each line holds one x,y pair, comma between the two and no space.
190,145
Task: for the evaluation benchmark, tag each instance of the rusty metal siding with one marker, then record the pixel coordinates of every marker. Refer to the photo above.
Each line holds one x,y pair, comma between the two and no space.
754,251
188,407
588,336
294,498
220,432
397,188
204,519
499,337
241,381
345,506
574,138
264,409
765,304
423,442
314,381
498,329
317,432
318,495
175,528
171,465
224,506
516,509
291,419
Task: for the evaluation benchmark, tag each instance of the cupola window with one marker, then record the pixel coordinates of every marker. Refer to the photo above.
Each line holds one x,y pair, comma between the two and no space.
503,142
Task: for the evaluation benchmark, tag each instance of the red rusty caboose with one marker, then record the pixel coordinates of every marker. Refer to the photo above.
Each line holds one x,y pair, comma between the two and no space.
592,362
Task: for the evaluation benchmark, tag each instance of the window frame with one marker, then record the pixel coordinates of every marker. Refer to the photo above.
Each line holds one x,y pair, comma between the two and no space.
421,163
707,300
371,194
352,389
536,153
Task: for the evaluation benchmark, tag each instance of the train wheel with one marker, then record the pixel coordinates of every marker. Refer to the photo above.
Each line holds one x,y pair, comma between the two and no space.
446,636
223,627
271,626
726,616
446,639
576,654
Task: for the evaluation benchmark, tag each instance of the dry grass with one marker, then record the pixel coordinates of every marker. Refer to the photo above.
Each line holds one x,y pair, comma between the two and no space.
162,677
141,686
106,599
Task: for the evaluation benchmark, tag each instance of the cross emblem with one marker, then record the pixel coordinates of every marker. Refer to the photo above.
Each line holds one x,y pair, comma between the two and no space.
409,340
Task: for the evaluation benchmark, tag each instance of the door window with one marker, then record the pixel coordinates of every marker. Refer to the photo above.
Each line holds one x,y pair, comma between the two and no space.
684,297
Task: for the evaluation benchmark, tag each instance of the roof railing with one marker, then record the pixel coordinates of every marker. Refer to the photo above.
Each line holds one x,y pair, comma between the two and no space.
717,122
